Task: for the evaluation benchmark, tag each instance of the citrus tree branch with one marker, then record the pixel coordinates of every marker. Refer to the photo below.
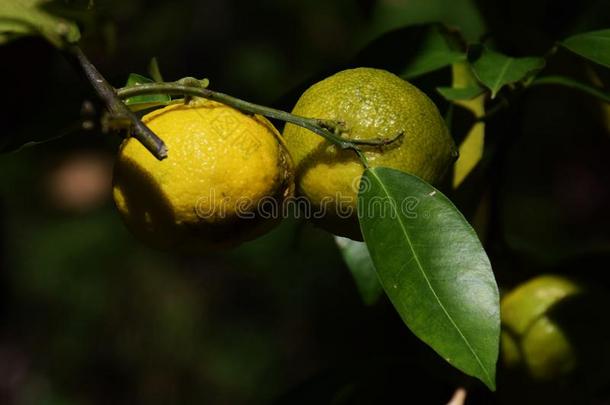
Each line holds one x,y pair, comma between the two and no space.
116,106
329,130
573,84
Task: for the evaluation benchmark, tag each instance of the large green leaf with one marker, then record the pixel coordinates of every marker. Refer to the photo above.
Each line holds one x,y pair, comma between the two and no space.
356,256
496,70
433,268
26,17
435,51
594,45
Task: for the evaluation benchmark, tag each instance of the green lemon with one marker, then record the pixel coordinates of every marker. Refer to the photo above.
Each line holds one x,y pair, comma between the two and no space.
371,104
552,328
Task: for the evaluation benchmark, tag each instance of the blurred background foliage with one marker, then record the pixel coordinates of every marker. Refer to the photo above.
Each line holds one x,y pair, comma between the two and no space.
91,316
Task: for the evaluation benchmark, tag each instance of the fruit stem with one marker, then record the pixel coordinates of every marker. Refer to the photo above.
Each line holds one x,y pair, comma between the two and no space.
501,105
319,126
362,157
147,138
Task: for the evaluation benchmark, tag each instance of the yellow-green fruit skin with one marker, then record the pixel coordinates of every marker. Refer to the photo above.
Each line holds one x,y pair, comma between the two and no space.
372,104
221,164
531,339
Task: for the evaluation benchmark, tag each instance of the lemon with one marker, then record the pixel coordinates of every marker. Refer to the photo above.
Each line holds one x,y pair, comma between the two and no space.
223,182
370,104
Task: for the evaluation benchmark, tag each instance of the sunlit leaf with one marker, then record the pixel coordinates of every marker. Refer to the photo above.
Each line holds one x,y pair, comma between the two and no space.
433,268
471,147
495,70
358,260
594,45
26,17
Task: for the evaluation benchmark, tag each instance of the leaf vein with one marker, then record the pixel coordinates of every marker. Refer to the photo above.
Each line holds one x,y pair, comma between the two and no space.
429,284
498,84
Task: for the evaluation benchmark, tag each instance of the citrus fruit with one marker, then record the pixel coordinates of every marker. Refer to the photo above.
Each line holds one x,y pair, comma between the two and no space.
531,339
556,329
370,104
225,177
555,342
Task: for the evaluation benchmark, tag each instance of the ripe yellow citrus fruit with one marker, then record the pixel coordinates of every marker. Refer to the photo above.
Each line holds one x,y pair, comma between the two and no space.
371,104
530,338
225,177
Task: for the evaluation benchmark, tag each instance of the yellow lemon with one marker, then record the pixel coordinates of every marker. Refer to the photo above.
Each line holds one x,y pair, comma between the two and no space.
370,104
225,178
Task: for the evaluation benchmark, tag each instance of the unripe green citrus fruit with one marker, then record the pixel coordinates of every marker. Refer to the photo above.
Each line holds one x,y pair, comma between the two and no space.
371,104
530,338
554,329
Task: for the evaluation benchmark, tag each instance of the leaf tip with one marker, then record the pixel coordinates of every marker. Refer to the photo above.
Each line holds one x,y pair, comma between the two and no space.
489,379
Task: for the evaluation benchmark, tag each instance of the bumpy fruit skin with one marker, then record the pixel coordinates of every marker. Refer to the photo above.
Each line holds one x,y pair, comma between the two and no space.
371,103
223,166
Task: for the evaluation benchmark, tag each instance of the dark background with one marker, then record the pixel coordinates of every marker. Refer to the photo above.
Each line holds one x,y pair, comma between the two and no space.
88,315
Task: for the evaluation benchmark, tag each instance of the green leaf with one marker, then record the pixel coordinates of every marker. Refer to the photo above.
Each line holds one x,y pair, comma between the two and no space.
433,268
594,45
496,70
389,15
146,101
26,17
359,262
460,93
472,145
436,51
